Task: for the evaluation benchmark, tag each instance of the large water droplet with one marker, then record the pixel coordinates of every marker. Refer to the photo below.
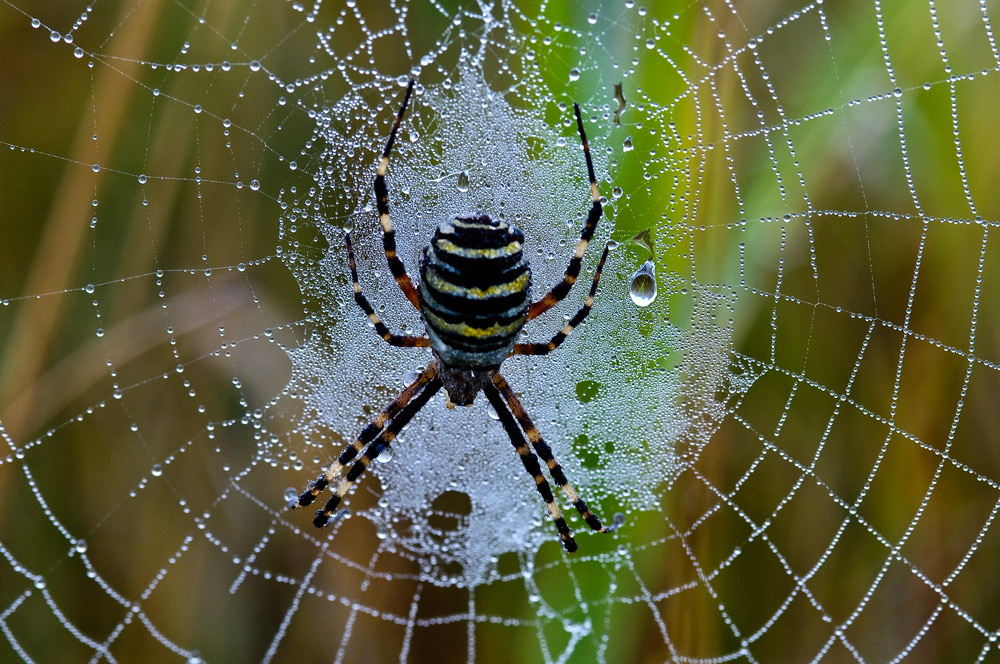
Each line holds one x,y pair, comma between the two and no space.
627,145
574,74
463,182
642,288
291,496
492,412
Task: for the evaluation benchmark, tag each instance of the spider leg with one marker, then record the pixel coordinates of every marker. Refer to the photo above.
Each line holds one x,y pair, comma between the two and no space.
560,290
560,336
382,202
543,451
530,462
380,328
373,449
366,436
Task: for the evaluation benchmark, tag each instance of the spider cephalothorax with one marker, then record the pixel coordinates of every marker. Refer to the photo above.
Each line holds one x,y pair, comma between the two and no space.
474,297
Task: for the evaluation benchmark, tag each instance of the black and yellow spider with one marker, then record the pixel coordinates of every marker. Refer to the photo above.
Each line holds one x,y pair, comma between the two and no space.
474,297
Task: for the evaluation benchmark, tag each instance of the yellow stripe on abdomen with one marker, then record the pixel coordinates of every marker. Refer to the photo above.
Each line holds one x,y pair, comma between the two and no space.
438,283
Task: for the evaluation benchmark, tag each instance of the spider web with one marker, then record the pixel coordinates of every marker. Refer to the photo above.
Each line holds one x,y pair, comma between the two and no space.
795,421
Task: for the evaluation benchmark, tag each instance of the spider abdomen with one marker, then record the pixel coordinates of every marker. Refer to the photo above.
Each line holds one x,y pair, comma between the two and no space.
475,290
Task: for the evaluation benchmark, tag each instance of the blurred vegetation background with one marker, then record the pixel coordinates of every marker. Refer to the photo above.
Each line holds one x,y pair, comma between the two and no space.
131,238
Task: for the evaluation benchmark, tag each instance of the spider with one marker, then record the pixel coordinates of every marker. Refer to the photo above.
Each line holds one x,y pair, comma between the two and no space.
474,297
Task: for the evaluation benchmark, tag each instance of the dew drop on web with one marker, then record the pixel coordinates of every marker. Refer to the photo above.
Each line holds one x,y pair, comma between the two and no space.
642,287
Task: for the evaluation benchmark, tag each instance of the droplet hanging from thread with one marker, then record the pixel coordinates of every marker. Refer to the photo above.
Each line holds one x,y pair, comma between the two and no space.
642,287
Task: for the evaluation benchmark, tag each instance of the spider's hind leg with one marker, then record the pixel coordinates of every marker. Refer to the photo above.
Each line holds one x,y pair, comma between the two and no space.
560,336
560,290
404,340
382,202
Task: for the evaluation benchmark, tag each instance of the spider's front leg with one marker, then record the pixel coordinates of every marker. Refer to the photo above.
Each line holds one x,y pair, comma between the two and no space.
400,420
390,412
545,453
530,462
